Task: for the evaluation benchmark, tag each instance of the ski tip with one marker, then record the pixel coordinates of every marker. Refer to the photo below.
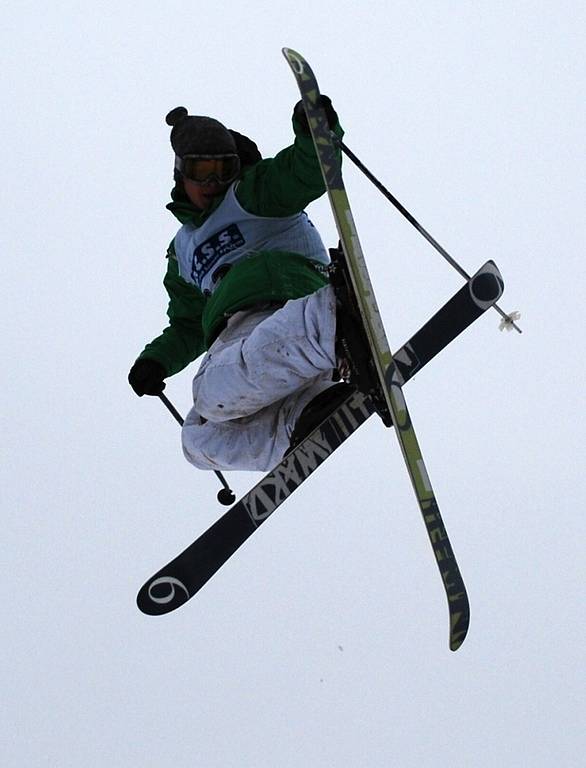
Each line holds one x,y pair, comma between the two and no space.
161,594
296,62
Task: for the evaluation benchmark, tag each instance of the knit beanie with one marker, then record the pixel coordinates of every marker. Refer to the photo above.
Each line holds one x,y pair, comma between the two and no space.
198,135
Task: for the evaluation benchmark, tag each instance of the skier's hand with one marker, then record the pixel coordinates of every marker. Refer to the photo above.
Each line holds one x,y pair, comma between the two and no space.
146,377
300,116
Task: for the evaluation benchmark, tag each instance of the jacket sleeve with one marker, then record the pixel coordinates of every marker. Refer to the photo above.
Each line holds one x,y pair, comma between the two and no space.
285,184
182,340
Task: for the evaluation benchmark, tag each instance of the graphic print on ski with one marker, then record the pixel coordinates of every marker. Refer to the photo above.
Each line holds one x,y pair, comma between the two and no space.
179,580
388,373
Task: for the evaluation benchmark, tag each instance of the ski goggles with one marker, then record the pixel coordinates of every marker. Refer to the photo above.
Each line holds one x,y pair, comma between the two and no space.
203,169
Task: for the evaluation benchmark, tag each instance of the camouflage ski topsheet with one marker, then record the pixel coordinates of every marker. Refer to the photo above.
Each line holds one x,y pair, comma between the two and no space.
388,374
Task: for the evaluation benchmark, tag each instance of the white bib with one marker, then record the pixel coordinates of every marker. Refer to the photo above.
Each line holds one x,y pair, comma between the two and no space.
231,234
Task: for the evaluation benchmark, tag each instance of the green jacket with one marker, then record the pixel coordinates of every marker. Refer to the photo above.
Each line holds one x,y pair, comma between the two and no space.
279,186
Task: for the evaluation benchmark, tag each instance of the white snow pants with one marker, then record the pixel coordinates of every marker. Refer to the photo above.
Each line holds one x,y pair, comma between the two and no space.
257,377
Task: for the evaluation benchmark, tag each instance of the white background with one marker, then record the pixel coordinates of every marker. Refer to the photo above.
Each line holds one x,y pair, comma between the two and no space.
324,641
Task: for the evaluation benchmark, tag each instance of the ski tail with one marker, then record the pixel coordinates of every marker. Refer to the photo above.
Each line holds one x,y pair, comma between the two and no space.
480,293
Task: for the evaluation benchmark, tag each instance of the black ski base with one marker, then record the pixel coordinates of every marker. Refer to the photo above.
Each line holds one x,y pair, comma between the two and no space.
187,573
174,584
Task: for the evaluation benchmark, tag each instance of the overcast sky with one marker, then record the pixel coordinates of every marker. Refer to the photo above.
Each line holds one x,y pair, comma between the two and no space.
324,641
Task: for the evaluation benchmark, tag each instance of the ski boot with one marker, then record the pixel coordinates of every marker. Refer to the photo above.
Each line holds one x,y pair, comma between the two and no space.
355,362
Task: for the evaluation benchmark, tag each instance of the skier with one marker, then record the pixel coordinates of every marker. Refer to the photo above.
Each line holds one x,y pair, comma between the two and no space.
246,278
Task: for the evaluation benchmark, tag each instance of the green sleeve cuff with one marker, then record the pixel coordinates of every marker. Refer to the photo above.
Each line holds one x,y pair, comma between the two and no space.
181,341
285,184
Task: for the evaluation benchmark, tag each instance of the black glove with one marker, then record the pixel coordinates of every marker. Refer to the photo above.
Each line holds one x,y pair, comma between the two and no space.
146,377
301,117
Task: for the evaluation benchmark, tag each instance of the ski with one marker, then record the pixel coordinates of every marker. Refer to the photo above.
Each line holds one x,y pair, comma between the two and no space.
392,405
187,573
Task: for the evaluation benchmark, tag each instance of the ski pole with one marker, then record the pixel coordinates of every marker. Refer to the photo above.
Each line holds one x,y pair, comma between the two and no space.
225,495
508,319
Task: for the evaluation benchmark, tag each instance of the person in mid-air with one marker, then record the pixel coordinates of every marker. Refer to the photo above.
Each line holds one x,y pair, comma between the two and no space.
247,282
